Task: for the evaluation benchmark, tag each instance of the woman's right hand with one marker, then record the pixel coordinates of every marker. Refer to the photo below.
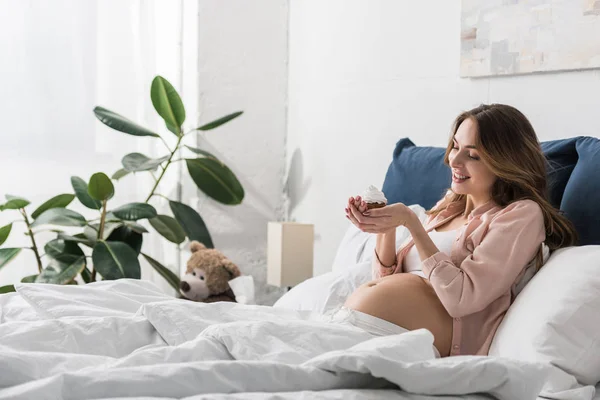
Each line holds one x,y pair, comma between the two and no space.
386,241
356,203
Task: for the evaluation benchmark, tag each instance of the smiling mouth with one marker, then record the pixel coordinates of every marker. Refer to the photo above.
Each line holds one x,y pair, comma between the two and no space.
459,178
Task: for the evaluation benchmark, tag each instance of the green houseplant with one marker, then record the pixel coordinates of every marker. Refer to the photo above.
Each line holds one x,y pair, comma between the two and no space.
113,238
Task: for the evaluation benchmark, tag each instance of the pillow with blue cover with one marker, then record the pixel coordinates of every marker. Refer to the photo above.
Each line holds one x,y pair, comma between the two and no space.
581,199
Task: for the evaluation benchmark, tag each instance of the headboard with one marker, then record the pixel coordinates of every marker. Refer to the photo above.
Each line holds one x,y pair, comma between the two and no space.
418,175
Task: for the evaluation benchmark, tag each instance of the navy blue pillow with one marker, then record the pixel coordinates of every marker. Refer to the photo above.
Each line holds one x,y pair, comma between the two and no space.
581,199
418,175
561,156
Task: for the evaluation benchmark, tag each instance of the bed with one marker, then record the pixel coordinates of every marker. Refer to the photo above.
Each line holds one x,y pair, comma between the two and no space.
126,339
122,339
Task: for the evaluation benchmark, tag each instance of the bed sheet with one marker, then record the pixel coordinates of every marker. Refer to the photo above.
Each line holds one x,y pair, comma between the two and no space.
126,339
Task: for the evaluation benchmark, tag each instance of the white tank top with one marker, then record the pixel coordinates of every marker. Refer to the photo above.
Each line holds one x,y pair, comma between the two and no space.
443,241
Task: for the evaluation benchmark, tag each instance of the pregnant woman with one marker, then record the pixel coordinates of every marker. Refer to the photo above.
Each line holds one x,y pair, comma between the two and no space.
456,273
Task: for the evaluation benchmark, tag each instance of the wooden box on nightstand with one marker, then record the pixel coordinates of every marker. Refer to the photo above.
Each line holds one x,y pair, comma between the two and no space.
289,253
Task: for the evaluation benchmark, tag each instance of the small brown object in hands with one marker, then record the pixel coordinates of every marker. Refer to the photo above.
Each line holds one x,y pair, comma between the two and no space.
375,205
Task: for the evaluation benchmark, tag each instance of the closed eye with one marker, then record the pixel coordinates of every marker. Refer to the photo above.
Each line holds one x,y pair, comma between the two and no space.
470,156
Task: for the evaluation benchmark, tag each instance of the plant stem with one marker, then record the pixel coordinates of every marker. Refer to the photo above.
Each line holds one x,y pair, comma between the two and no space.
44,230
100,233
163,196
165,143
33,244
164,169
102,220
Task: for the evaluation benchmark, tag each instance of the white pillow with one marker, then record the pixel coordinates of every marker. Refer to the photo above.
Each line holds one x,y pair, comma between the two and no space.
556,318
325,292
351,268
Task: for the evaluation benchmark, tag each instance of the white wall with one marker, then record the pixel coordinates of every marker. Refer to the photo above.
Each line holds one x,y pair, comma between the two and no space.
363,74
243,66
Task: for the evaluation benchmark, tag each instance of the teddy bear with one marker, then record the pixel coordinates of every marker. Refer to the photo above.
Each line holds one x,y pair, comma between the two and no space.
207,275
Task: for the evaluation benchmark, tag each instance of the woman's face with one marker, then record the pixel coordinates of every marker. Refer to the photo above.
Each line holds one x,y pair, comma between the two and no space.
464,161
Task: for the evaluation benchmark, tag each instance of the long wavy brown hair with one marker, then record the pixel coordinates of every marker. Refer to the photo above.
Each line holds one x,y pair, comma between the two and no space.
509,147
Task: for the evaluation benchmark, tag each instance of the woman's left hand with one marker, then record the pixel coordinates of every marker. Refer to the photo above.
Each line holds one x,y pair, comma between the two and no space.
381,220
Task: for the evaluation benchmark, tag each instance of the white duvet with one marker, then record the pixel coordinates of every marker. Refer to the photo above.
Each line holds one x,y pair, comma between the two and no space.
125,339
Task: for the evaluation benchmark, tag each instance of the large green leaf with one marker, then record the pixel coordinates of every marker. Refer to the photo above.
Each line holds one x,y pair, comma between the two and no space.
4,232
78,238
166,273
168,104
168,227
120,123
127,235
7,289
14,203
110,217
59,216
29,279
202,152
81,191
192,223
86,275
7,255
216,180
101,187
135,227
218,122
115,260
135,211
119,174
61,273
60,201
173,128
64,251
135,162
91,231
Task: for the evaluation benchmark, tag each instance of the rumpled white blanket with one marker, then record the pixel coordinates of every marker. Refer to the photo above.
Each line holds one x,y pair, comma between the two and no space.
125,339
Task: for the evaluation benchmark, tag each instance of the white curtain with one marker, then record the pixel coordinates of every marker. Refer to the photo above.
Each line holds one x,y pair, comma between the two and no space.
60,59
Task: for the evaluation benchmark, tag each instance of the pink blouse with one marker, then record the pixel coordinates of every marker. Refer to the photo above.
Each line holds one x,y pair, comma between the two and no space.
487,260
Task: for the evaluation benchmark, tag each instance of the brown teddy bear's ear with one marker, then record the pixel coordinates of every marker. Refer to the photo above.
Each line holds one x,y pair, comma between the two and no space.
196,246
231,268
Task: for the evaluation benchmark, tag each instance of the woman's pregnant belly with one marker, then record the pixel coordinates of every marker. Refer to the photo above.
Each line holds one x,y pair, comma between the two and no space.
406,300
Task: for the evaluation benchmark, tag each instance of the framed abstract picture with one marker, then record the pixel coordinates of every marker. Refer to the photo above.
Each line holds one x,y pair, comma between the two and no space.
505,37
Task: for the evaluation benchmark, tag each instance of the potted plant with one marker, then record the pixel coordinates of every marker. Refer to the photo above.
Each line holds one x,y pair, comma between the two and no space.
110,242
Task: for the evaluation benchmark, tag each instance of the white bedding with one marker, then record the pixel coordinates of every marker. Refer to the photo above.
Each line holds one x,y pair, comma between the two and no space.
125,339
